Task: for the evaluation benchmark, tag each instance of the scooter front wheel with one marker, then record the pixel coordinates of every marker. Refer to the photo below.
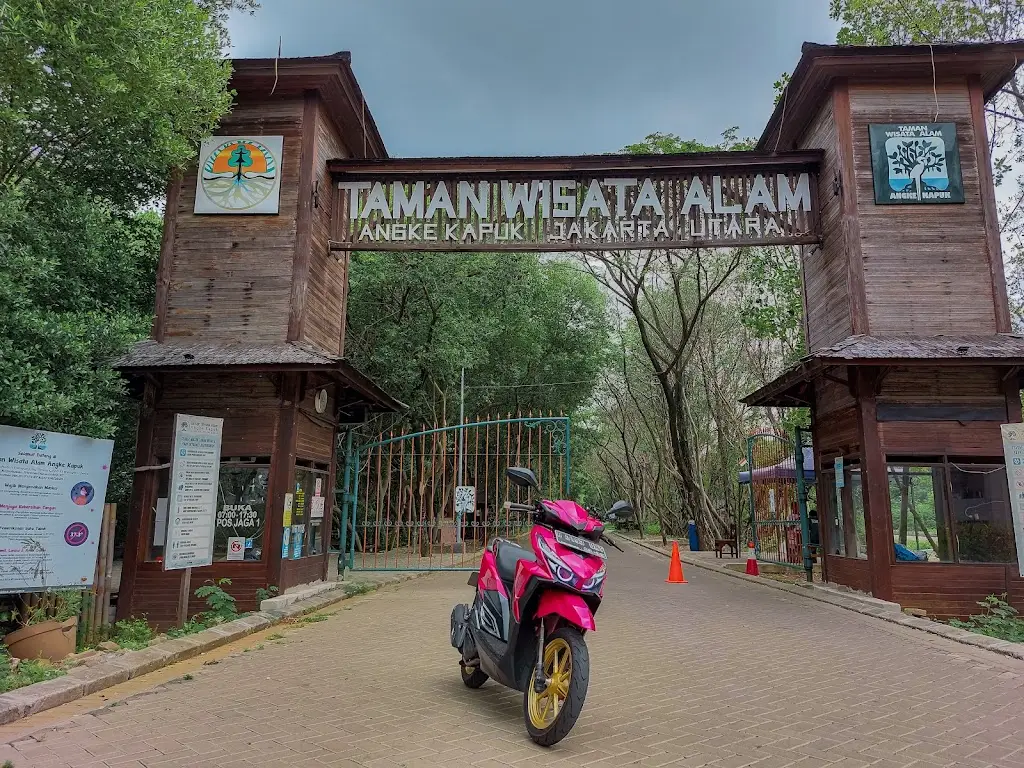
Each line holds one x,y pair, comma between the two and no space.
552,712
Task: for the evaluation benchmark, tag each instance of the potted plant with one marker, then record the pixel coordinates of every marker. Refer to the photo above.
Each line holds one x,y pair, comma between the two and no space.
49,625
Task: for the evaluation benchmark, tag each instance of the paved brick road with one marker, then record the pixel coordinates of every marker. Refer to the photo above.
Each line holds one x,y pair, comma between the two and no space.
718,673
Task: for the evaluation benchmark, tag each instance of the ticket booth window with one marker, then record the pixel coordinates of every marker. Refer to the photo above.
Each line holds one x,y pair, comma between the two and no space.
917,499
310,508
952,512
241,512
980,507
842,512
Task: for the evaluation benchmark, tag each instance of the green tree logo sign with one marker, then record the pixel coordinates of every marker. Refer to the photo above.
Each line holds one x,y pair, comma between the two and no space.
239,174
919,164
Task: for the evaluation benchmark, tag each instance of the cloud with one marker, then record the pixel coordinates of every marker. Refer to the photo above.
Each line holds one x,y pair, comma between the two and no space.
538,77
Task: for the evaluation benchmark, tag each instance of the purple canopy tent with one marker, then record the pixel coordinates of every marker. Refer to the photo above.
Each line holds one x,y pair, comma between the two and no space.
784,470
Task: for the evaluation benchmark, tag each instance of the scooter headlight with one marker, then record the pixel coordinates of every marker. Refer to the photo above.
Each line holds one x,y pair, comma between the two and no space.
594,582
559,569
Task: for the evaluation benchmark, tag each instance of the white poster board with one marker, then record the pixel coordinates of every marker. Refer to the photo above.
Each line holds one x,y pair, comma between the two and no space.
1013,450
195,473
52,488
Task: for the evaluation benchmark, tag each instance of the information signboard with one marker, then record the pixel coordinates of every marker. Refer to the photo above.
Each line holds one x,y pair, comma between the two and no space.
1013,450
52,488
195,472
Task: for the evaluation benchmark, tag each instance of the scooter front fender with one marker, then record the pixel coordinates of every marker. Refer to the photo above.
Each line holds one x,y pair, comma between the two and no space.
570,607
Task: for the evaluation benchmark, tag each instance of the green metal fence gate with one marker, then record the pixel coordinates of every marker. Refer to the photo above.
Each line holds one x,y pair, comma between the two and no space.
433,499
777,498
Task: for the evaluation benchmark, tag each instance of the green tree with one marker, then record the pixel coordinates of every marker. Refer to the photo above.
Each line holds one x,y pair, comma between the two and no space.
103,97
100,99
531,332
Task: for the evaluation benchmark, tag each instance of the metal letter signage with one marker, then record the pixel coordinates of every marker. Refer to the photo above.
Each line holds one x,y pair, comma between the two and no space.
916,164
599,203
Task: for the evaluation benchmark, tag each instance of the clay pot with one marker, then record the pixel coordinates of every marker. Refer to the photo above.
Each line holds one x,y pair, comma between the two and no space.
51,640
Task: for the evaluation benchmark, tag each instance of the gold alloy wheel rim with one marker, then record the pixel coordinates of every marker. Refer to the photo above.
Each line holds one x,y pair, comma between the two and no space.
543,707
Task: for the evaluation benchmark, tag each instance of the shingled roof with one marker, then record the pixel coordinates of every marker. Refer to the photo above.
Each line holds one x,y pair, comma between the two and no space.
151,355
1005,349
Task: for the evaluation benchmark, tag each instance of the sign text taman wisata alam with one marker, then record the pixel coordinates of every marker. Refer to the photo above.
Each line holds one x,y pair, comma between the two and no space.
52,488
594,212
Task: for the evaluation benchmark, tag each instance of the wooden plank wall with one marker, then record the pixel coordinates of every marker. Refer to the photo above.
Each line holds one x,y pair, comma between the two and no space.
853,572
926,267
230,276
942,386
328,281
155,592
835,419
314,436
824,268
303,571
948,589
248,404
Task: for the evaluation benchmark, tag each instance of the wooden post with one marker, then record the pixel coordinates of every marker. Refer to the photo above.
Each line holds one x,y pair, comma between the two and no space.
186,586
108,563
877,512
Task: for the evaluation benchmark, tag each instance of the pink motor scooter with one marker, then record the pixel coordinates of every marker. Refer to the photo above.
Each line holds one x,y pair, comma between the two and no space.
532,607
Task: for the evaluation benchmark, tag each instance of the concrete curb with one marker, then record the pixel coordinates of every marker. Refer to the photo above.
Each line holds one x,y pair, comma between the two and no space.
112,669
868,606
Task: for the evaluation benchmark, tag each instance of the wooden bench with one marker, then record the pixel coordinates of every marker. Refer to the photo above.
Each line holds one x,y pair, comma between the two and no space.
728,543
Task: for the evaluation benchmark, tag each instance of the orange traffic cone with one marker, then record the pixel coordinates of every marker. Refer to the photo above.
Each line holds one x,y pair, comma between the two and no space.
675,567
751,561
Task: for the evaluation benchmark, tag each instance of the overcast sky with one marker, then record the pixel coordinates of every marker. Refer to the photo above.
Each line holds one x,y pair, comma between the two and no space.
548,77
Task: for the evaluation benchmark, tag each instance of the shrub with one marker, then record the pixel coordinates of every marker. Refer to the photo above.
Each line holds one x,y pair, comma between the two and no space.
132,633
999,620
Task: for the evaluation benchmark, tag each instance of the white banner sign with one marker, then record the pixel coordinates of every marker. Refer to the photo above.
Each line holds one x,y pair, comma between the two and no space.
1013,450
195,472
52,488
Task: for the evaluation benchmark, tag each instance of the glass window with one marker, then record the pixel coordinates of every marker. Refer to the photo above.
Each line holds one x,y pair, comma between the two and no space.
241,512
917,500
309,508
980,505
854,530
842,512
828,514
240,515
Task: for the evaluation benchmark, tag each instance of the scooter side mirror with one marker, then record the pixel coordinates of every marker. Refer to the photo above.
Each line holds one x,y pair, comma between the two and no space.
621,510
522,477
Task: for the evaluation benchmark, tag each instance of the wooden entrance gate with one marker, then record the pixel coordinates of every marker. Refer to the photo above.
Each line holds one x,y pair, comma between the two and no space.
433,499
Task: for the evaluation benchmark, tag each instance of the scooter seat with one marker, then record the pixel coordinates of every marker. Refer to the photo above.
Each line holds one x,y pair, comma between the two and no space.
506,556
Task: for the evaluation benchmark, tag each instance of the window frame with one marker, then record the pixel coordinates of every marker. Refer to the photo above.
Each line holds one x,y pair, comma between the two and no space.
163,480
949,463
316,469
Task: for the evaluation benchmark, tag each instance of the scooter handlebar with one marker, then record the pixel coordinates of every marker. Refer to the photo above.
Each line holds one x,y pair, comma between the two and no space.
513,507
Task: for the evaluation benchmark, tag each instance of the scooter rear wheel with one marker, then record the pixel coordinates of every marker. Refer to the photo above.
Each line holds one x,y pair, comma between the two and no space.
473,677
551,713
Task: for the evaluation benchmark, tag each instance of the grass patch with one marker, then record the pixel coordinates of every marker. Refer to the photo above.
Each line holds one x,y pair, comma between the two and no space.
1000,620
311,619
275,636
134,634
17,675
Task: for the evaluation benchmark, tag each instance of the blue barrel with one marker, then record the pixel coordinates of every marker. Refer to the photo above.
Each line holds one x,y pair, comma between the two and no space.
694,541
